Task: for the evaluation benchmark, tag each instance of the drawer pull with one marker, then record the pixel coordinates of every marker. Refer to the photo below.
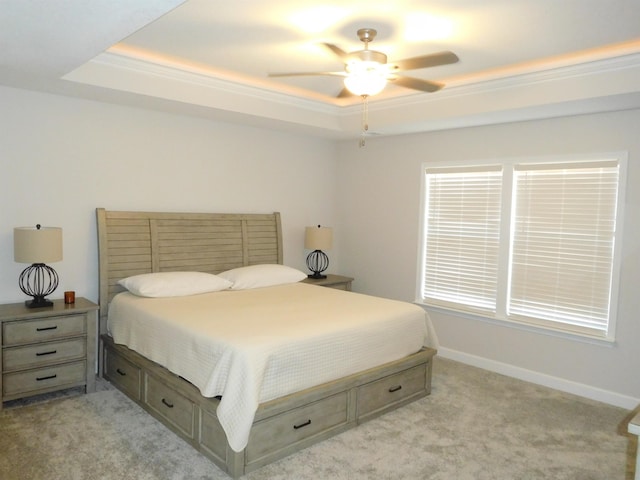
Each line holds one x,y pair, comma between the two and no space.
300,425
395,389
42,329
170,405
121,372
40,354
49,377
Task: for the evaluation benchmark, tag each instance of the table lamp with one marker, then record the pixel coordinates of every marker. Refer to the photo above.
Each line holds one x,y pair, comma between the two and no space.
318,239
37,246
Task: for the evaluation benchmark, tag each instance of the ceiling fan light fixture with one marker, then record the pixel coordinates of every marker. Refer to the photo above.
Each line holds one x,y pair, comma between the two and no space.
365,78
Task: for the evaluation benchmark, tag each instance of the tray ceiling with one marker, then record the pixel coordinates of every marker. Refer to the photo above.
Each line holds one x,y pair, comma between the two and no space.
518,60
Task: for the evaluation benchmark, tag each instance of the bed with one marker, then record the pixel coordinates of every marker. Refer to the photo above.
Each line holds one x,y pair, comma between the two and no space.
285,416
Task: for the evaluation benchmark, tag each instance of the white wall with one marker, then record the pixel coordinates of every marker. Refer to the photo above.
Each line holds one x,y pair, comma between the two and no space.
61,158
379,189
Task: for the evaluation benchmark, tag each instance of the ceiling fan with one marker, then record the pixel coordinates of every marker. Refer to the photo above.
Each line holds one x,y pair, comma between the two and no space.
367,71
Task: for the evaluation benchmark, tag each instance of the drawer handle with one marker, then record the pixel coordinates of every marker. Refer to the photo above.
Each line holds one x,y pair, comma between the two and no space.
300,425
40,354
395,389
42,329
124,374
39,379
170,405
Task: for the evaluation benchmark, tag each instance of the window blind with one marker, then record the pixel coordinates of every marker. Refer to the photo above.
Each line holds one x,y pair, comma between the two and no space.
562,246
462,237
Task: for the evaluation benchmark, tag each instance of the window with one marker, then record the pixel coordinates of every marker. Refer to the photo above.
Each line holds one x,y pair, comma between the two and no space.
462,239
528,242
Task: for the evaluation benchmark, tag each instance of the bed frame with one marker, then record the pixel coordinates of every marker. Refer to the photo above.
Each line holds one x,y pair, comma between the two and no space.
131,243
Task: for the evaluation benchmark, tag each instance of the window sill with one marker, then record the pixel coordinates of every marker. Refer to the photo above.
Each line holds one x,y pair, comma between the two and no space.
521,325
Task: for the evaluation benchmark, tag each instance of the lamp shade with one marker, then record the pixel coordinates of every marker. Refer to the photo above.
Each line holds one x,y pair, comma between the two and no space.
37,244
318,238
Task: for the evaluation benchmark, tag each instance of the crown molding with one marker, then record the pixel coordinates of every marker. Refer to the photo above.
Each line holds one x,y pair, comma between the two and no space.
210,80
532,91
593,86
489,82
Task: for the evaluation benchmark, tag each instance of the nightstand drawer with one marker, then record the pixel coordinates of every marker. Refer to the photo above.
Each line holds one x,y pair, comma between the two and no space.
391,390
43,329
175,408
33,356
69,374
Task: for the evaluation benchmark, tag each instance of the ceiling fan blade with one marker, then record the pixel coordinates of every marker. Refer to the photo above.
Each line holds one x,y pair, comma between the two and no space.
301,74
341,54
417,84
424,61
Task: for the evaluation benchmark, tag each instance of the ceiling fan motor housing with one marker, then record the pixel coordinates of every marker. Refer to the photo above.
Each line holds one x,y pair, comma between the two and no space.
368,56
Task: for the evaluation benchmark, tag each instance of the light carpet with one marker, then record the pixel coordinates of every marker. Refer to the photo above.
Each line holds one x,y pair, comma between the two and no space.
475,425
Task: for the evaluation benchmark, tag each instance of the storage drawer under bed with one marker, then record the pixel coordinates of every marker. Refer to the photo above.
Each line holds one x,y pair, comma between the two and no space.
172,406
383,394
286,429
122,373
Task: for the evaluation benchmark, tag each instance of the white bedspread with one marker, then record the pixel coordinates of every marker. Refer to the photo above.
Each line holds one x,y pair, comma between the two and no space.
251,346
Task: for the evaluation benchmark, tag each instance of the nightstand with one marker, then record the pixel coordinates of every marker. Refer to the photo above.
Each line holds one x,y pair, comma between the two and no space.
332,281
47,349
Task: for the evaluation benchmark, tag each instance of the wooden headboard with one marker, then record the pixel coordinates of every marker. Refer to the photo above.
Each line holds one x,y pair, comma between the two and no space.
131,243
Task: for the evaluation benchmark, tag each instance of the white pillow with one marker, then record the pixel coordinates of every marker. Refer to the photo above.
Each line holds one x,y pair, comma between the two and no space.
255,276
173,284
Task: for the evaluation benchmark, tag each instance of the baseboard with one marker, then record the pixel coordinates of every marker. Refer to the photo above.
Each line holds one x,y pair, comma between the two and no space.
583,390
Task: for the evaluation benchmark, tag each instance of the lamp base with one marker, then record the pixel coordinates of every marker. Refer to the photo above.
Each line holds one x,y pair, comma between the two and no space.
316,276
317,262
38,281
38,302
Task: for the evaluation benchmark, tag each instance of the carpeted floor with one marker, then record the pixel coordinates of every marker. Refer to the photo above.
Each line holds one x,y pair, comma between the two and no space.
475,425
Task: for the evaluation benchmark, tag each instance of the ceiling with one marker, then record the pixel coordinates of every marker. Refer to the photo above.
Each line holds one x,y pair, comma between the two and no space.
519,59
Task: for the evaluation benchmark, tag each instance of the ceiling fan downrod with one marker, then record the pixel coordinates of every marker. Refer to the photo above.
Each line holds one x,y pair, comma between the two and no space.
367,35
